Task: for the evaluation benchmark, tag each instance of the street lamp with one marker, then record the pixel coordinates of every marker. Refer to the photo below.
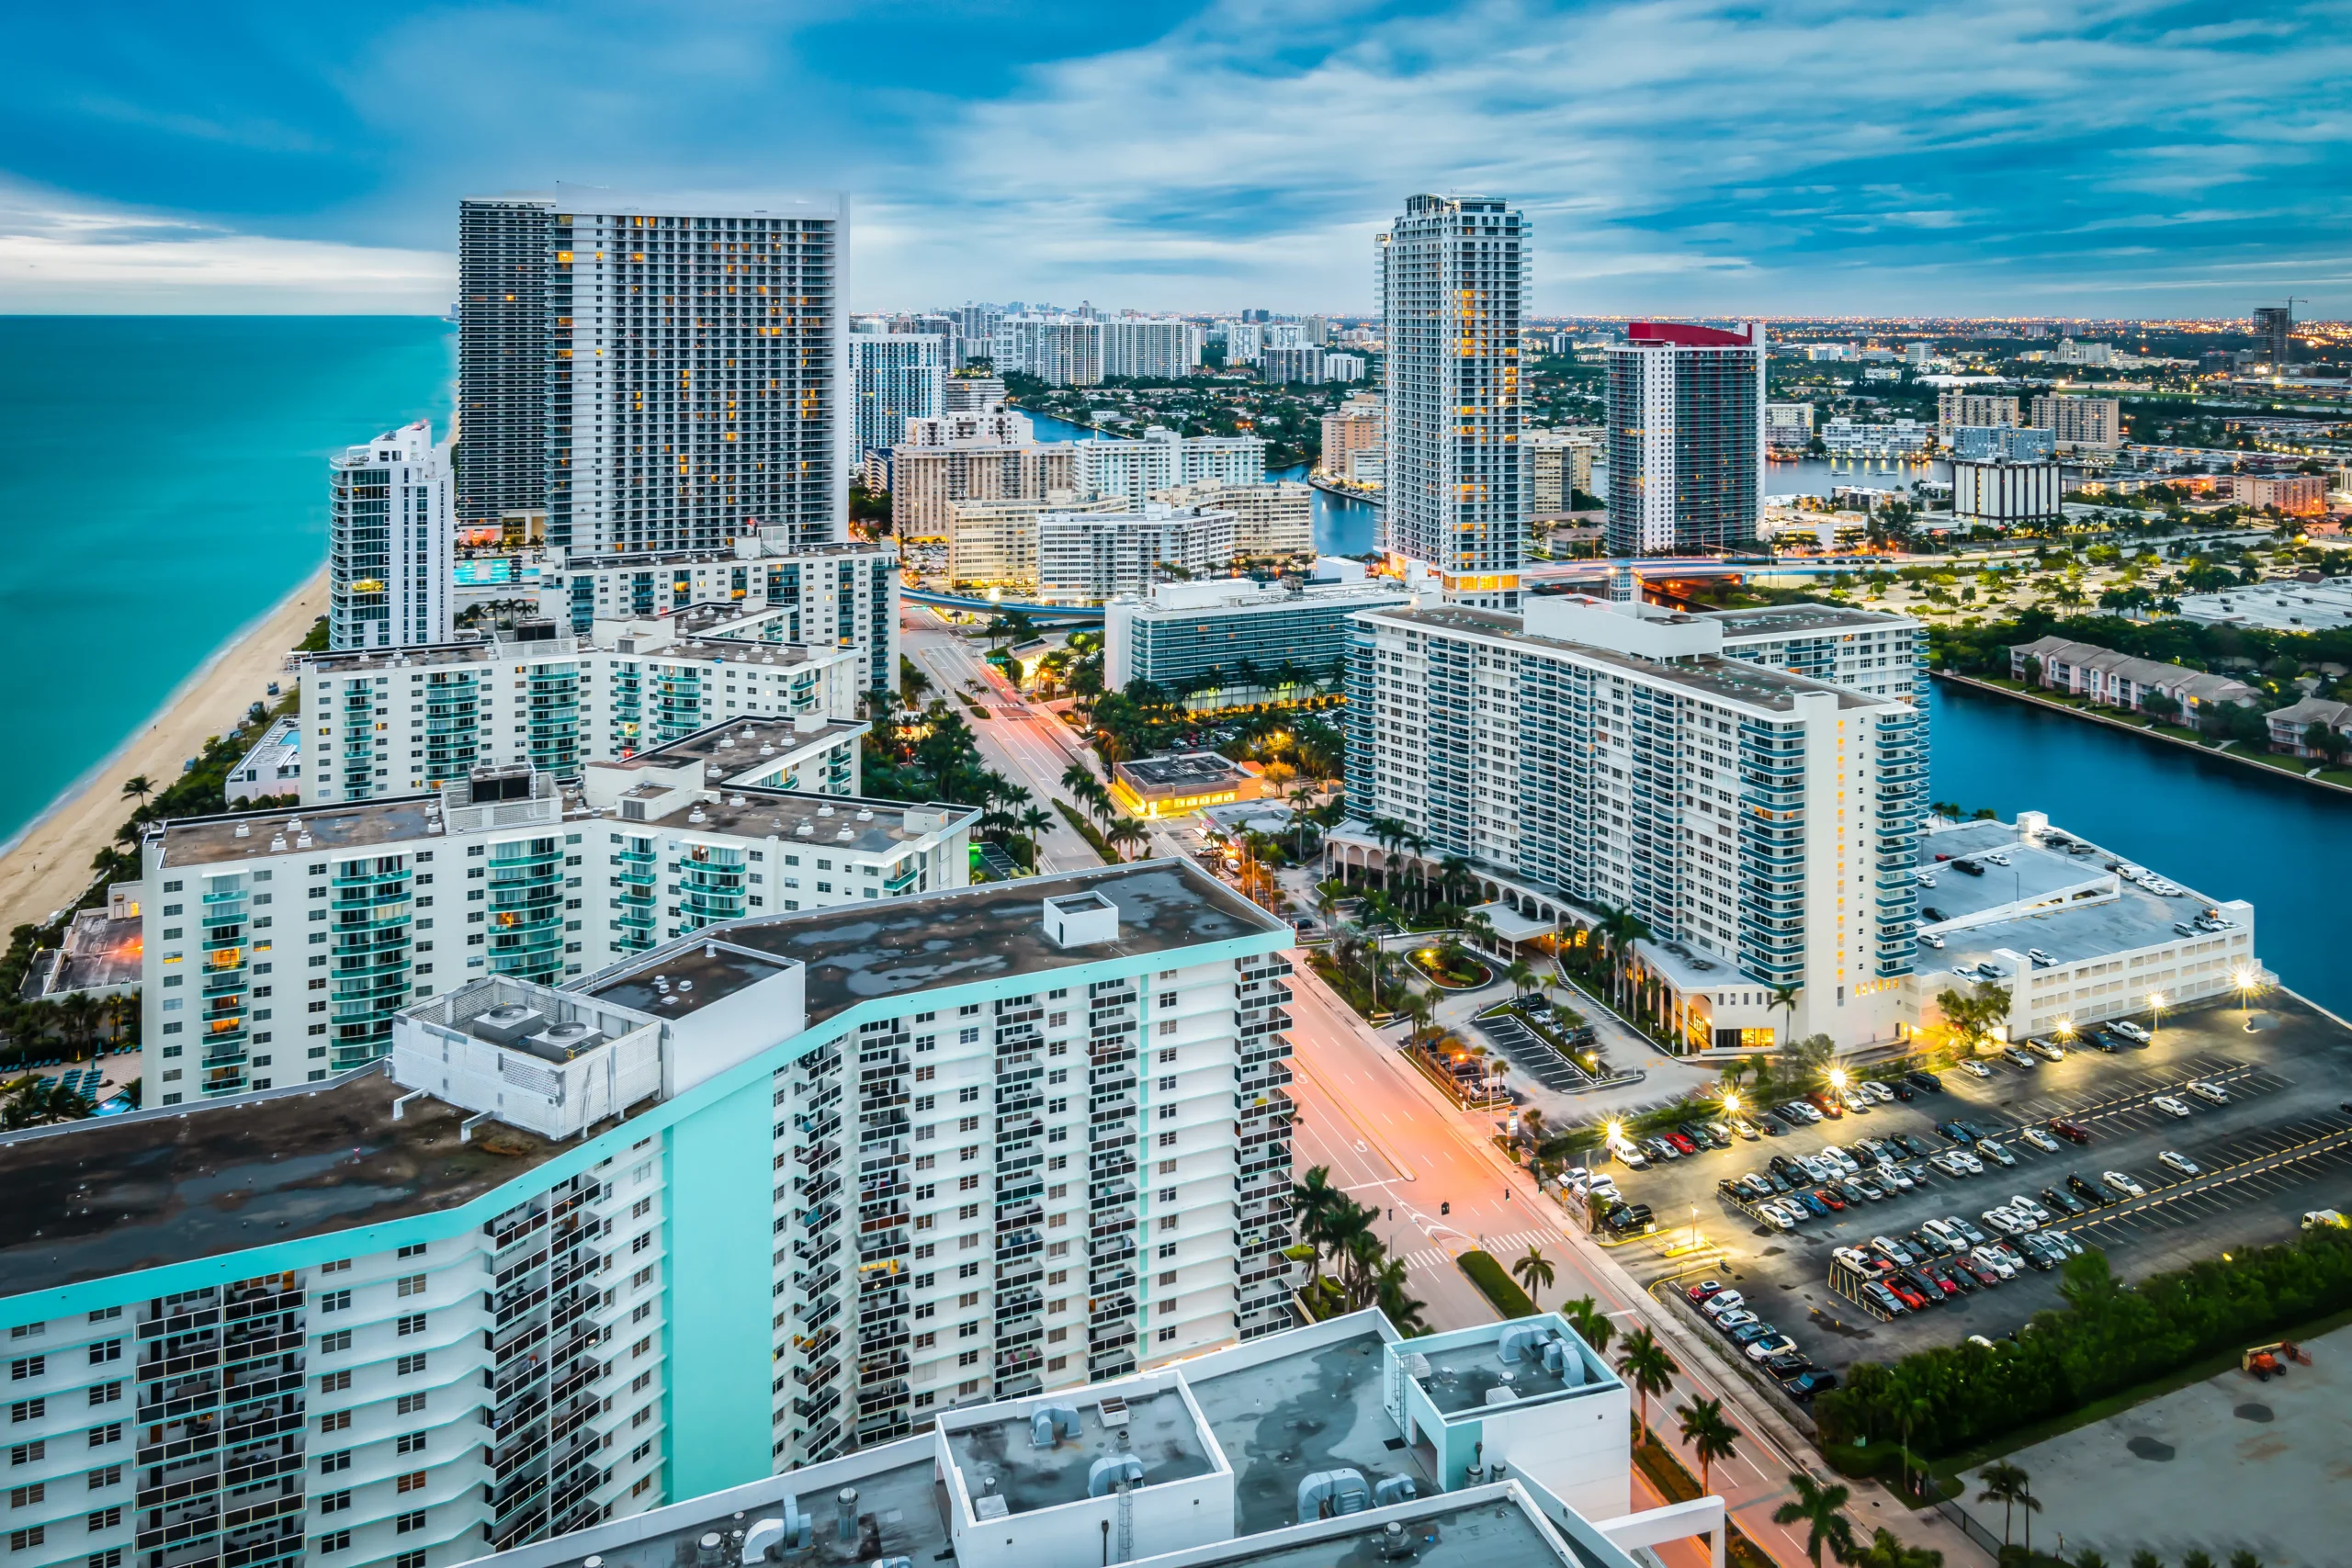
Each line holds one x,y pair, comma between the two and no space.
2245,982
2156,1014
2065,1029
1837,1080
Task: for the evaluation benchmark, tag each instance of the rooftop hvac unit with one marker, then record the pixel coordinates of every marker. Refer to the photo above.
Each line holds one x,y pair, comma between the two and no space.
565,1041
508,1024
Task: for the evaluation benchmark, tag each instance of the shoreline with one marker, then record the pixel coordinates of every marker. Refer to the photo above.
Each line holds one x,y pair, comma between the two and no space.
45,865
2129,728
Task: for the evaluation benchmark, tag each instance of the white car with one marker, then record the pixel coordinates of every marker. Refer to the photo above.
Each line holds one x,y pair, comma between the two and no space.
2023,1205
1949,1163
1988,1147
1968,1164
2003,1222
1929,938
2122,1184
1858,1102
1998,857
1732,1321
1817,1168
2130,1030
1892,1251
1993,1257
1974,1068
2180,1163
2170,1106
1764,1350
1630,1156
2047,1050
1723,1301
1878,1091
1845,1163
1861,1263
2039,1139
2211,1093
1775,1216
1894,1176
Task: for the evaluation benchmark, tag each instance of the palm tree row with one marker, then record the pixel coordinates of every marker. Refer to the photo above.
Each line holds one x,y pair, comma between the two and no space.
1362,1274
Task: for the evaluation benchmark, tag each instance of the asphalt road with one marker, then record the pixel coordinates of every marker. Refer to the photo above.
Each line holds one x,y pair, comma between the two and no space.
2281,1146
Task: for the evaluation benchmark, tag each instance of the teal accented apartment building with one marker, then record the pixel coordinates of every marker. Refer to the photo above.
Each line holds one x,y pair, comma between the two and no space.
770,1194
1190,633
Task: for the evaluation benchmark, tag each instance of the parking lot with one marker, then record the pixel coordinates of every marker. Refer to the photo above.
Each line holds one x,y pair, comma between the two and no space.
1530,1056
2281,1146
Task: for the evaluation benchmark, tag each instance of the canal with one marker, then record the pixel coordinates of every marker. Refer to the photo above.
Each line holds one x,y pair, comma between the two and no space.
2221,828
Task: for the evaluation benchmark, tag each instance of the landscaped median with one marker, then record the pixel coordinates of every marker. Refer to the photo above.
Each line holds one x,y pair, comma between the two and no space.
1502,1291
1676,1484
1086,830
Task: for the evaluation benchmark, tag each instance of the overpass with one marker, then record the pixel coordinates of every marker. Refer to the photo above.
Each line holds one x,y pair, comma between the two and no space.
1041,614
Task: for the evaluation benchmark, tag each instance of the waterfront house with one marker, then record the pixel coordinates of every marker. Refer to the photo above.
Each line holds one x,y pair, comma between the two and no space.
2121,681
2289,725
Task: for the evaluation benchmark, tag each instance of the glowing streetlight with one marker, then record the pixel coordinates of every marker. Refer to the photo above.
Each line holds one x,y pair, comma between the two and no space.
2247,983
2156,1014
1838,1079
2065,1029
1731,1105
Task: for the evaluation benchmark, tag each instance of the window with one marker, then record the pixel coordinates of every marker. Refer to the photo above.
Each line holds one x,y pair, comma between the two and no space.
1167,1000
110,1433
26,1496
410,1404
408,1524
336,1343
413,1324
335,1301
414,1249
28,1453
24,1540
412,1285
330,1464
1168,1140
335,1541
967,1096
641,1208
28,1410
411,1481
408,1443
335,1421
103,1314
27,1367
409,1560
334,1502
339,1266
410,1365
104,1518
334,1382
1167,1335
111,1558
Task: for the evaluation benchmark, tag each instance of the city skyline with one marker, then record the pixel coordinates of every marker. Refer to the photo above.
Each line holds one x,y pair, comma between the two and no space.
2139,162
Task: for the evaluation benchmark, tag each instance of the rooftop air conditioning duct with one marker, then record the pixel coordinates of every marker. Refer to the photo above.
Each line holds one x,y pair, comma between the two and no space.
508,1024
567,1040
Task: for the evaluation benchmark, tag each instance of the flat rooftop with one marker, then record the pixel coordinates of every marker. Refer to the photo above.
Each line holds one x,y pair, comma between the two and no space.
100,1198
1724,680
1487,1534
1779,620
999,1456
898,1516
327,829
734,745
687,977
2070,933
1184,770
2032,874
1462,1377
1283,1420
897,947
100,951
839,822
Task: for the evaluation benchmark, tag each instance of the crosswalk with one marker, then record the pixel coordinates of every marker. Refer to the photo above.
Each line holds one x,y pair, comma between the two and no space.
1503,1248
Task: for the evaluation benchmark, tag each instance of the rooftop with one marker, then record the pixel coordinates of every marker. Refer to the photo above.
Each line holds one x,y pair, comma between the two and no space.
2070,929
1489,1532
1774,620
94,1199
1182,770
999,1458
833,821
1315,1410
897,947
323,830
102,950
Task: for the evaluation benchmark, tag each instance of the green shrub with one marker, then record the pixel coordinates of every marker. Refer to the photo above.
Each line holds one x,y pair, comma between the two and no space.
1496,1284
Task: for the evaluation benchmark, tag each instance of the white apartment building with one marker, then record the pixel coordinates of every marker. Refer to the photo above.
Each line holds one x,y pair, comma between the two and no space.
397,723
972,393
1085,557
389,537
1559,463
1276,517
1788,427
1897,438
1162,459
1061,351
895,376
535,881
507,1284
1686,436
670,372
1456,274
1761,822
1956,409
993,544
1244,341
830,595
1159,347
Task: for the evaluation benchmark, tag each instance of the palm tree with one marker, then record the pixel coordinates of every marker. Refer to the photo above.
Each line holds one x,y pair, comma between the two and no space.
1534,1271
1313,1200
2144,1558
79,1015
1418,1007
1033,821
2088,1558
139,786
1644,1364
1785,997
1126,831
1079,779
1594,1326
1711,1437
1522,978
1402,1310
1819,1509
2007,1484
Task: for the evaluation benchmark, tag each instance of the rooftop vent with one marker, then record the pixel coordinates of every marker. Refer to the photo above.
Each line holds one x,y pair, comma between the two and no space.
806,831
244,831
1082,920
824,811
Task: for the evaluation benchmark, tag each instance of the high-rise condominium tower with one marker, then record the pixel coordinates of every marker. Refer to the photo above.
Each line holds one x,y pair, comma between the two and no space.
1686,438
389,541
654,376
1454,274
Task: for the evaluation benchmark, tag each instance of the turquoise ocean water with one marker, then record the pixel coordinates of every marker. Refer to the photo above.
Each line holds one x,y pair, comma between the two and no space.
162,484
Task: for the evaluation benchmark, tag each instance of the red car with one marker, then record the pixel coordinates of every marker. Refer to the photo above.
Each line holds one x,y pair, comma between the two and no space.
1826,1104
2073,1132
1906,1294
1829,1196
1681,1143
1936,1277
1702,1290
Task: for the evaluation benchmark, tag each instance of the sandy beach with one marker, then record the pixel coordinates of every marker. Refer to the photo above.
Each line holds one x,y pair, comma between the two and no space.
49,864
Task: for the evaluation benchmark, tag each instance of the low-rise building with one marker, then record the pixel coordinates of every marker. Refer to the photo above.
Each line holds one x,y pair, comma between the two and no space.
1162,459
1244,634
1180,782
2291,728
1788,427
2121,681
1999,493
100,954
1899,438
2298,495
1272,517
1956,408
2275,604
2081,425
1086,558
1559,464
274,766
993,544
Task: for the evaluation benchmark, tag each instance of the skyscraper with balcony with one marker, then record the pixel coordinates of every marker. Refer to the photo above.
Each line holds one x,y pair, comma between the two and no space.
653,374
1686,438
1454,275
780,1190
897,376
389,541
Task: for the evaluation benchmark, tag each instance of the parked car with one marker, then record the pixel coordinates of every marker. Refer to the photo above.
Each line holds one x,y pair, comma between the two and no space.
2123,1183
1827,1103
1804,1386
1976,1068
2040,1138
1905,1293
1988,1148
1960,1133
2047,1050
2130,1030
1892,1251
1723,1301
1925,1081
1763,1351
1733,1322
1886,1301
2073,1132
2170,1106
1983,1270
2020,1056
2181,1162
2022,1204
2065,1202
1702,1290
2040,959
2212,1092
2090,1192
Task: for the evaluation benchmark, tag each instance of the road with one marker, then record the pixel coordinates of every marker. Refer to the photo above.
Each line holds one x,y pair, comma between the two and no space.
1391,1137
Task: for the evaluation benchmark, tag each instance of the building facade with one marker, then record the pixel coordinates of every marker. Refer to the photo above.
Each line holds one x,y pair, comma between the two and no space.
686,376
895,376
1181,633
1086,558
1162,348
993,544
1955,408
396,723
1559,464
1354,427
1999,493
830,595
925,482
1061,351
1762,819
391,536
1134,469
1788,427
2080,425
529,1307
1274,517
1455,276
1686,438
1901,439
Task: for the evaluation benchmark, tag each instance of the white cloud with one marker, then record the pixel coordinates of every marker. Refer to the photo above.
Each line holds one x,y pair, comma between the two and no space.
57,256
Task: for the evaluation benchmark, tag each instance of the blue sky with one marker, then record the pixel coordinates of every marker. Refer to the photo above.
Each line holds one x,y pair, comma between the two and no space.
2110,157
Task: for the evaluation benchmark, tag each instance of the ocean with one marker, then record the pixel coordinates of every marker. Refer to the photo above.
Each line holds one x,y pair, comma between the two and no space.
163,482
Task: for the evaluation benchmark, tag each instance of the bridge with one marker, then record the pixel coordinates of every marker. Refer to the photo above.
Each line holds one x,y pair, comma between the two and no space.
1040,615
